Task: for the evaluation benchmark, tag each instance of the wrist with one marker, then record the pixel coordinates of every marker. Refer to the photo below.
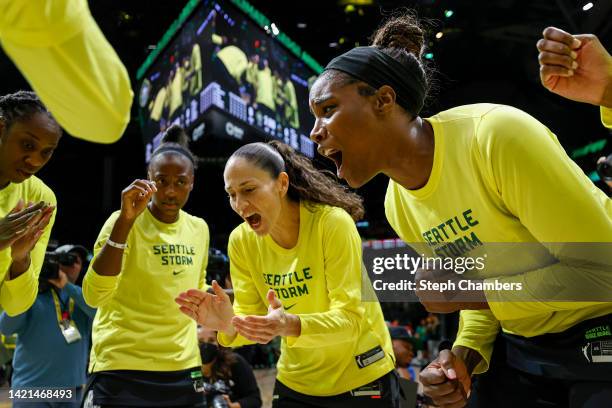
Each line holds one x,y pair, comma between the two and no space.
229,330
293,326
470,357
125,220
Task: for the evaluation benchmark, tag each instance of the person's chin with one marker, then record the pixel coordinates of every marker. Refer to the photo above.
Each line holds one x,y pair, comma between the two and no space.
20,177
354,182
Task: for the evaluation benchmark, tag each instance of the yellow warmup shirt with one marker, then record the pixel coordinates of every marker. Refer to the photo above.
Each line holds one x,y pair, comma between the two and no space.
320,280
17,295
235,61
139,325
606,117
59,48
500,176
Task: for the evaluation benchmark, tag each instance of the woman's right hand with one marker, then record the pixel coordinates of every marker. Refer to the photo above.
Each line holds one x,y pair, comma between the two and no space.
213,311
19,221
135,197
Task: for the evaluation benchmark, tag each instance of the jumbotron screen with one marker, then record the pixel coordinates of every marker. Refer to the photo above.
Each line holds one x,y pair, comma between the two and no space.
223,76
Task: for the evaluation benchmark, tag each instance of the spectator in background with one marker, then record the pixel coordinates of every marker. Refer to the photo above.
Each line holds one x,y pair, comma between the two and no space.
220,363
53,337
80,264
604,168
403,348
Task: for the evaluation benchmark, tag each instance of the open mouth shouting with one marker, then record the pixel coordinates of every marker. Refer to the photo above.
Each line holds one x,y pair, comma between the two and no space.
336,156
254,221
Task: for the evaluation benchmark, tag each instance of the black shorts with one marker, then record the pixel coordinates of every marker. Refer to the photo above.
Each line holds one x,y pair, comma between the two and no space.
381,393
131,388
571,369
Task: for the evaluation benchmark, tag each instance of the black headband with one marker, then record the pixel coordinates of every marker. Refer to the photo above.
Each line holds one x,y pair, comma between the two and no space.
374,67
164,149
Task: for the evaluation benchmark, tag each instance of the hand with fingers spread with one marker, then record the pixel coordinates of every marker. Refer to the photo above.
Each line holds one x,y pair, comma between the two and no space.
18,222
576,67
213,311
446,381
21,247
135,197
262,329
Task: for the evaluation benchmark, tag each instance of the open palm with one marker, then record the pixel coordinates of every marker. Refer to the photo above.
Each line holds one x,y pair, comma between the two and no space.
213,311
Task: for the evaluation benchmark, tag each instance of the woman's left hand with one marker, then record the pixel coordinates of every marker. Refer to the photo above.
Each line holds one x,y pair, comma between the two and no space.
21,248
262,329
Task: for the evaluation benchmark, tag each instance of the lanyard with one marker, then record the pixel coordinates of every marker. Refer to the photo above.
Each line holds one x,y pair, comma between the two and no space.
61,314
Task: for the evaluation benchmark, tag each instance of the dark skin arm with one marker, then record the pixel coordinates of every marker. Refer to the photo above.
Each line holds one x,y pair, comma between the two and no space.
134,200
447,379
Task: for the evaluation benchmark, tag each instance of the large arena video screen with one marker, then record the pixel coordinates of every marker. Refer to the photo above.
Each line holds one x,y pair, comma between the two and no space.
223,75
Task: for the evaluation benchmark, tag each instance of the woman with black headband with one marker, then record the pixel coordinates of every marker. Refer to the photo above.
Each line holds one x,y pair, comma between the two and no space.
145,352
460,180
296,268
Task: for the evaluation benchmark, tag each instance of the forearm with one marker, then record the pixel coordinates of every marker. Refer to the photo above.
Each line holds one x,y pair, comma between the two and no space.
19,266
332,327
561,286
108,261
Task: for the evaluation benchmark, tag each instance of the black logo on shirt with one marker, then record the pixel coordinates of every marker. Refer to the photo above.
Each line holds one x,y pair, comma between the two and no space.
453,237
174,254
178,272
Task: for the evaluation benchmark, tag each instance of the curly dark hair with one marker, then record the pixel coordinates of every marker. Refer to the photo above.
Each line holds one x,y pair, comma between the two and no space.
306,183
20,106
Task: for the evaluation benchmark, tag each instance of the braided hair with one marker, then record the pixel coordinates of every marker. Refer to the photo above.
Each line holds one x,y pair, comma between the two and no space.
20,106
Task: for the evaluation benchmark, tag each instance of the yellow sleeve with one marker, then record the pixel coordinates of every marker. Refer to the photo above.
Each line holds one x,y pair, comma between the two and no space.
100,289
61,51
202,282
18,295
343,263
559,205
247,300
606,117
477,331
